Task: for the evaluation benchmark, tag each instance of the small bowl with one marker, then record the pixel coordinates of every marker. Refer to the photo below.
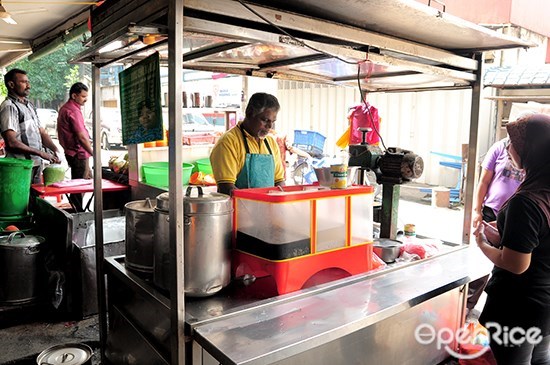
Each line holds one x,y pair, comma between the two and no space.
388,250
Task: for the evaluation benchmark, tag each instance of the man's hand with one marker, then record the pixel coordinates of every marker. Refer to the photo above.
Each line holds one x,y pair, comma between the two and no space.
52,158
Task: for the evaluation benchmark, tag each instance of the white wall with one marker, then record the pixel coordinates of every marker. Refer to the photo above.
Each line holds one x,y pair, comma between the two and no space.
418,121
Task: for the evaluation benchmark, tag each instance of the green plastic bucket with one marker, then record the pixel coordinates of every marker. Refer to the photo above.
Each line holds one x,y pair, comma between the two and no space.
15,186
204,166
156,173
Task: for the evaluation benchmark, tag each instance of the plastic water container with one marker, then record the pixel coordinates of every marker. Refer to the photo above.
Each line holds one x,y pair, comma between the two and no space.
311,230
15,186
296,213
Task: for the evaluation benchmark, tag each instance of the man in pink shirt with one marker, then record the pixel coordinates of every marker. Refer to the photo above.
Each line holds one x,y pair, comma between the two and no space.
74,137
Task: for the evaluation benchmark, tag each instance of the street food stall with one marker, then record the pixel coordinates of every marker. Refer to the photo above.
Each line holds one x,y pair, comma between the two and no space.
369,316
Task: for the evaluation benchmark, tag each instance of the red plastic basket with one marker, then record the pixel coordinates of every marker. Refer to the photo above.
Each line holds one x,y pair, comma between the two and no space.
197,139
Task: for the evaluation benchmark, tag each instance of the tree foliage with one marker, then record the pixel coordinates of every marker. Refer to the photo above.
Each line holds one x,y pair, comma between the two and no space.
51,76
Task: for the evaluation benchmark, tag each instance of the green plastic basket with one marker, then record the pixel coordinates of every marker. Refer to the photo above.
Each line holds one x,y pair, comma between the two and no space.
204,166
156,173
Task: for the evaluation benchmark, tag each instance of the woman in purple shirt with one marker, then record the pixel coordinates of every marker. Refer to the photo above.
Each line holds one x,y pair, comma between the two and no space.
498,181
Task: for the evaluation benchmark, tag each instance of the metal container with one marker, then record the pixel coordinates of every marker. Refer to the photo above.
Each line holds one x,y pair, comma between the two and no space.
69,354
388,250
324,175
21,263
207,242
140,235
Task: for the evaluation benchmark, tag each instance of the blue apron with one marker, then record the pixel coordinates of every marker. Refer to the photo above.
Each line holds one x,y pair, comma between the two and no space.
258,170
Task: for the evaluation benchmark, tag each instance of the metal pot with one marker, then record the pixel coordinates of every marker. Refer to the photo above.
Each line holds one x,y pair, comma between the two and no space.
140,235
21,265
73,354
207,238
388,250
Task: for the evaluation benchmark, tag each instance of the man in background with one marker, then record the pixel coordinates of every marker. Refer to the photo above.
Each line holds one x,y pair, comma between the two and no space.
23,135
75,138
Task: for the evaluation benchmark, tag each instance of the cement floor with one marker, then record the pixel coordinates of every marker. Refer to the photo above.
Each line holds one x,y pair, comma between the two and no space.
22,344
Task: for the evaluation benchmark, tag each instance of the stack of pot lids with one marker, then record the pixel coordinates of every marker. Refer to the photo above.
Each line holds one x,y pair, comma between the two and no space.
68,354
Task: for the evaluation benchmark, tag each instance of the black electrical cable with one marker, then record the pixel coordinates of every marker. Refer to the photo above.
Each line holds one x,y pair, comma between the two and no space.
368,108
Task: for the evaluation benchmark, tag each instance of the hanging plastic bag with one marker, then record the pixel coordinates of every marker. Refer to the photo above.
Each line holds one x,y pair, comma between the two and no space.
364,116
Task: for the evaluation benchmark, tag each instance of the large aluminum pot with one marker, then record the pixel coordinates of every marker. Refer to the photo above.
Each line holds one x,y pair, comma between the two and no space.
21,265
207,242
140,235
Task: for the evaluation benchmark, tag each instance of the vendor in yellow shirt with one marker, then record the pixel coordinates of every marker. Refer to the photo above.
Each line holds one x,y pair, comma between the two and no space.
245,156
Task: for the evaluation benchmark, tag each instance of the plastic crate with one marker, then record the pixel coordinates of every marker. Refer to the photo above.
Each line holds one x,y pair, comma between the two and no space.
309,141
198,139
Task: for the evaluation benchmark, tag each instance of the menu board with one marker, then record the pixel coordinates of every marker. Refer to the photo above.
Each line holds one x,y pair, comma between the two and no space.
140,102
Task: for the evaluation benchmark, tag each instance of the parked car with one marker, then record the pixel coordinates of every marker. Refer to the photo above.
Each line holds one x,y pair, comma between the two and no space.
193,121
111,127
48,119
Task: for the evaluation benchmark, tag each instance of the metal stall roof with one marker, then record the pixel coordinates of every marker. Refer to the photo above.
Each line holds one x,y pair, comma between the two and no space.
308,40
37,25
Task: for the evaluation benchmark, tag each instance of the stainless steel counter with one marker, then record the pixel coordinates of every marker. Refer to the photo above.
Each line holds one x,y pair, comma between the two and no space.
236,326
287,326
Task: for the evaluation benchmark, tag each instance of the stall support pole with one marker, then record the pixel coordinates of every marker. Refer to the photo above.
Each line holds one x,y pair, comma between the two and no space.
98,212
175,159
471,168
390,209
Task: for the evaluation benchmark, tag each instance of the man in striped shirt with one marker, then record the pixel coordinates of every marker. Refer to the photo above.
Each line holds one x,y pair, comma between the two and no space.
20,127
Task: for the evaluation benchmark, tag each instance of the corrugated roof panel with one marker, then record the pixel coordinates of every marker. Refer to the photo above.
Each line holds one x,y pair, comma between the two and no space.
518,77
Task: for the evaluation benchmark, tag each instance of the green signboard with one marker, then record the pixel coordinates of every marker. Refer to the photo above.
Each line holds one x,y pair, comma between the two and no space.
140,102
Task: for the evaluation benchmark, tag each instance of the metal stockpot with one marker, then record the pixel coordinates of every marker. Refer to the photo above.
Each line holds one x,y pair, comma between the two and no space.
21,265
140,235
207,242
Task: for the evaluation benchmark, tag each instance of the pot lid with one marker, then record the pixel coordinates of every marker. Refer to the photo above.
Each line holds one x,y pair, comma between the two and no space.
386,242
144,206
69,354
19,238
211,203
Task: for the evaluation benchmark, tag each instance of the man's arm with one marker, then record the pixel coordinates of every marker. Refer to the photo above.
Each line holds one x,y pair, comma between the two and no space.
47,142
19,147
479,195
226,188
84,142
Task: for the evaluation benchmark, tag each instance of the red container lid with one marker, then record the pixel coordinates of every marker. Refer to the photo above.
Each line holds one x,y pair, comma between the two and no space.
298,192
